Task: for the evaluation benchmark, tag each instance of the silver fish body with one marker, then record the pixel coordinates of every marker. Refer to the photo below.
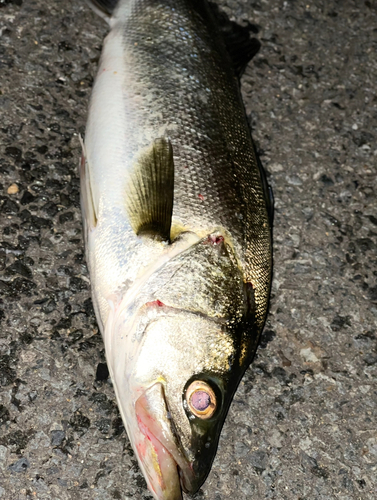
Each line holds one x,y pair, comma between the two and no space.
180,296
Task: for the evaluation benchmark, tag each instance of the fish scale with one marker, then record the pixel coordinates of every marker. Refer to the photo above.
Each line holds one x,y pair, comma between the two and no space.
177,232
221,168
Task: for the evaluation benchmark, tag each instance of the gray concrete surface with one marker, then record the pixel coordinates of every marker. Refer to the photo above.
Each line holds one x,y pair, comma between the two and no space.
303,422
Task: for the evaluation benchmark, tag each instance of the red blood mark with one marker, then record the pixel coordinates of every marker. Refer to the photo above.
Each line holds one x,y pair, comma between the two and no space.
141,449
157,446
201,197
82,164
144,429
155,303
217,240
214,239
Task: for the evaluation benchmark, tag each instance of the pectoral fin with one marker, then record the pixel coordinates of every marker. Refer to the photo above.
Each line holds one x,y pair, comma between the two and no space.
151,191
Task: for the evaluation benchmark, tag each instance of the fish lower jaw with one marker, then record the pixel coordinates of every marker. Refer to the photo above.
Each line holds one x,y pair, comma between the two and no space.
160,454
160,469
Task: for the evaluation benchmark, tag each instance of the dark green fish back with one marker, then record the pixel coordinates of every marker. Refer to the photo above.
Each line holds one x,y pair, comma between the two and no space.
187,90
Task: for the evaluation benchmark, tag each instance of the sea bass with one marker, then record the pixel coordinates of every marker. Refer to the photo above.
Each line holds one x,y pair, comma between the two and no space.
177,232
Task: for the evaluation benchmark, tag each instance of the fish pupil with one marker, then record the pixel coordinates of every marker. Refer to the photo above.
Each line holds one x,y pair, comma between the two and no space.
200,400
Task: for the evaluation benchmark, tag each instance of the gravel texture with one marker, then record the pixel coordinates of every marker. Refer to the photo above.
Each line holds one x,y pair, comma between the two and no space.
303,422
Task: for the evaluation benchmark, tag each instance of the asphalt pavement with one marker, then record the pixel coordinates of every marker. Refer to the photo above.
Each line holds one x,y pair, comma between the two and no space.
303,422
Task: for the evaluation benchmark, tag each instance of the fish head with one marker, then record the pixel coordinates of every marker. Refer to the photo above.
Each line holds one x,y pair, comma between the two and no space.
175,398
194,365
175,375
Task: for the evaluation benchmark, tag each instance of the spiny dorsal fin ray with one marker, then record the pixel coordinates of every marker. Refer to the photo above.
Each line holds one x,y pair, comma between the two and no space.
151,191
267,190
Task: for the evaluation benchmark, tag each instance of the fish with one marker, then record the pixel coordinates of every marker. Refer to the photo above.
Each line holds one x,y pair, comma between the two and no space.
177,227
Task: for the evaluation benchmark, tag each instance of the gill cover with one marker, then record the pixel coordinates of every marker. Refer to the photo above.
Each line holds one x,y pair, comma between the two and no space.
177,340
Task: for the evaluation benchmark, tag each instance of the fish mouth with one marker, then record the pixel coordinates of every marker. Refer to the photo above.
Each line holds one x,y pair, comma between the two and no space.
166,469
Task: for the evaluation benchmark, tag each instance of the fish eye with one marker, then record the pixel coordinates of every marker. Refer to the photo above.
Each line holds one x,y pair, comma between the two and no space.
201,399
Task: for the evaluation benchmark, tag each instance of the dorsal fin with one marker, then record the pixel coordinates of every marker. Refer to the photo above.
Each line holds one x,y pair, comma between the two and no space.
267,189
151,191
